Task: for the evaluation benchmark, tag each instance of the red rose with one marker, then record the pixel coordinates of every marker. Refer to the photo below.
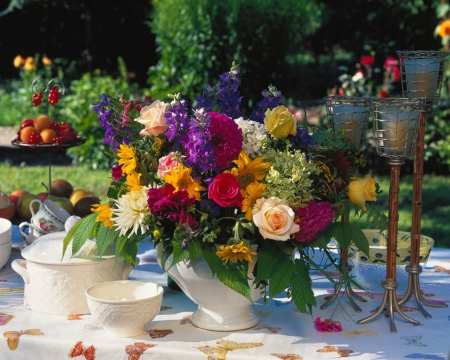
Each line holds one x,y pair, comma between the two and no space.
224,190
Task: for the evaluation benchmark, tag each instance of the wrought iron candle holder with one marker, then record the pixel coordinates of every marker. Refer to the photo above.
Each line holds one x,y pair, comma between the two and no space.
350,114
396,126
422,75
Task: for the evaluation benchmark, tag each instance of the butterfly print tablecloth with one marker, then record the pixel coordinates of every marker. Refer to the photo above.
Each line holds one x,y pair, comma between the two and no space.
283,332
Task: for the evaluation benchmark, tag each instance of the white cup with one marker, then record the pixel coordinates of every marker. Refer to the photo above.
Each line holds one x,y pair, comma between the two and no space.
32,234
50,217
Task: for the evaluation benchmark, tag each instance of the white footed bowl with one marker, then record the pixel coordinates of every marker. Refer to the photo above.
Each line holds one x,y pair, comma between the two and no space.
5,231
124,308
5,252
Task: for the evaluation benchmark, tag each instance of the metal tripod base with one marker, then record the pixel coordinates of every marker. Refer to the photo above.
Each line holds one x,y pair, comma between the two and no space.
348,290
388,305
414,288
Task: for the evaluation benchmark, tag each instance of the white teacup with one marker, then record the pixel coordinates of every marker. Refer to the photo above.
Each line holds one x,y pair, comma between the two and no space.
50,217
32,234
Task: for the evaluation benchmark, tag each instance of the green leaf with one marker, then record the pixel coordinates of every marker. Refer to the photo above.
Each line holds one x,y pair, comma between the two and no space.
70,235
232,275
282,278
105,237
302,293
129,251
270,258
360,240
83,231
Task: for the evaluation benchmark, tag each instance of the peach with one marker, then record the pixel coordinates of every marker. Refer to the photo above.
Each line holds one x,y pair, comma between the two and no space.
42,122
26,132
48,135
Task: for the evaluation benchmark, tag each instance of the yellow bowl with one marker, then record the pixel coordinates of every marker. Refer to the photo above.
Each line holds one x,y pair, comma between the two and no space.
378,248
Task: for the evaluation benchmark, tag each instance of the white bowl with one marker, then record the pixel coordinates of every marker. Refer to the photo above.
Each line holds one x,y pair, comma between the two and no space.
124,308
5,231
5,252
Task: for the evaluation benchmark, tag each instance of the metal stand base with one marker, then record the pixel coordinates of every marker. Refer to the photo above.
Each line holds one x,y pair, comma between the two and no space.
414,288
388,305
348,291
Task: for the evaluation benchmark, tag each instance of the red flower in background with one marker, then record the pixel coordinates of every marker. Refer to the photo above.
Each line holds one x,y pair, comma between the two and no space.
383,94
367,60
390,62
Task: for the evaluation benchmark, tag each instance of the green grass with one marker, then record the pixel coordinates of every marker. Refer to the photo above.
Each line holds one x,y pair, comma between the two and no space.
435,194
435,206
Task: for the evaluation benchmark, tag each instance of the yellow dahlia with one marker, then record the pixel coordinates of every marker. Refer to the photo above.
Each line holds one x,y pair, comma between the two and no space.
253,192
180,178
104,214
235,253
127,158
134,181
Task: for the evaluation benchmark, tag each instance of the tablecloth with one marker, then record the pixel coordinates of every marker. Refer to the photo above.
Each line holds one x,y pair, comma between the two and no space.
283,332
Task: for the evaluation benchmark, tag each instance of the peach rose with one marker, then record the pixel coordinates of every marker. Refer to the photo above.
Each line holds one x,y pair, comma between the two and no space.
152,117
165,164
274,218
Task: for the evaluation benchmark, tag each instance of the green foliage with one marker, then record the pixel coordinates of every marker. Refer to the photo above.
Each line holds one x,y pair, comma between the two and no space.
258,34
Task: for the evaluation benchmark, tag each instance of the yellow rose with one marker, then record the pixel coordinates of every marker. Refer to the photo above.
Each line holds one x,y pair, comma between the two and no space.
18,60
274,218
280,122
362,190
152,117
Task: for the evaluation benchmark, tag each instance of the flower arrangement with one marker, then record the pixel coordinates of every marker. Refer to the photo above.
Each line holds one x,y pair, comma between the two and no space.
204,181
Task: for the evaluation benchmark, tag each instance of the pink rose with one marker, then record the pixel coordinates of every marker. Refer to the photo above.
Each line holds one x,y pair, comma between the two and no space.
165,164
224,190
152,117
325,325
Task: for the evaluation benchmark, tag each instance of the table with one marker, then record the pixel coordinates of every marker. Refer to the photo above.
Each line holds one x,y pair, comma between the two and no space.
283,333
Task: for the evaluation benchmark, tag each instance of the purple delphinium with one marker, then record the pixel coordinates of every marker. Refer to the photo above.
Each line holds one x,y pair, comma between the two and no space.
116,130
206,101
229,97
178,122
272,99
199,150
225,93
302,139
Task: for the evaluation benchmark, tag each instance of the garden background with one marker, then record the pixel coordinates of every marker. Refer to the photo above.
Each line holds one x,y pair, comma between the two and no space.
306,48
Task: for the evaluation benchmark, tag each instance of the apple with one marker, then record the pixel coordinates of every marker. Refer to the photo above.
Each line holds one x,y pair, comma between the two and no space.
14,198
27,122
23,206
42,196
67,132
63,202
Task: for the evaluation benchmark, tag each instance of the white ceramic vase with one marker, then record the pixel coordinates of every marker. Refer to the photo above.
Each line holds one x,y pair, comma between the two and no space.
219,307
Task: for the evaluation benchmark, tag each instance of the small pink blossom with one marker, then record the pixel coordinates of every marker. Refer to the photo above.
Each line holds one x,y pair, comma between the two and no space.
165,164
367,60
327,325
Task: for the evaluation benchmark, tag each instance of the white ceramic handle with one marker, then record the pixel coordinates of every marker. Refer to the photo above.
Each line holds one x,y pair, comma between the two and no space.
127,269
19,266
22,225
31,206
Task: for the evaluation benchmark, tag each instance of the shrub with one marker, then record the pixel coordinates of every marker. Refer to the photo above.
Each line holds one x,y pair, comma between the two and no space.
257,34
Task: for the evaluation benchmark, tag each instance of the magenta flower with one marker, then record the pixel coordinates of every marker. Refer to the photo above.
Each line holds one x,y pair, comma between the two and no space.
116,171
327,325
313,219
171,205
226,138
